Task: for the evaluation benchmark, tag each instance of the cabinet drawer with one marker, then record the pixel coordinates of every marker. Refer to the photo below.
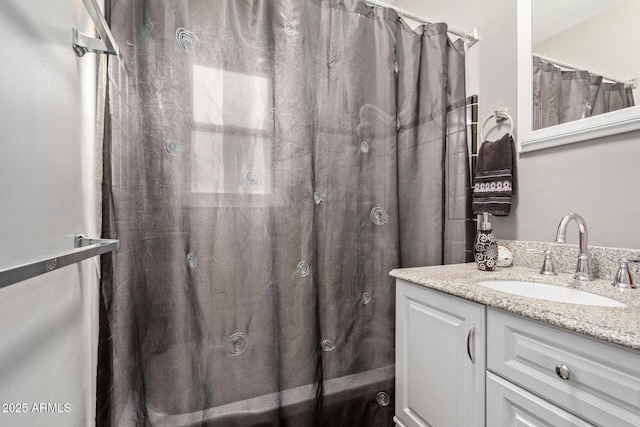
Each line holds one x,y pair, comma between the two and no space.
509,405
604,383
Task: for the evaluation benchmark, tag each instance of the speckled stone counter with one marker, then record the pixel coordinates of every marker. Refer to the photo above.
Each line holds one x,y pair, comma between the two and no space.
615,325
604,260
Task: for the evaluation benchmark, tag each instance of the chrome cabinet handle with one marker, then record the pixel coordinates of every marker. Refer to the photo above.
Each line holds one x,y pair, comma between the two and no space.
471,333
563,372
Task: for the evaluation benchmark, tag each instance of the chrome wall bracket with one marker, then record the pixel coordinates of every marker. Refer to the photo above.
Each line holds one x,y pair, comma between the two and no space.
471,37
83,43
81,241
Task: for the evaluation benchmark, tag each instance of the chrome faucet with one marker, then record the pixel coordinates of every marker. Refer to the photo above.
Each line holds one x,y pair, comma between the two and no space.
583,268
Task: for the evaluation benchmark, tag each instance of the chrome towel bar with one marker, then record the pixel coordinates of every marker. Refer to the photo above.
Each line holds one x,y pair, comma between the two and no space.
83,43
85,247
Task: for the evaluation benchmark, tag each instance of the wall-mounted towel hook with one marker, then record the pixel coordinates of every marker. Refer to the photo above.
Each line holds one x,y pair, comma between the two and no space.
502,114
83,43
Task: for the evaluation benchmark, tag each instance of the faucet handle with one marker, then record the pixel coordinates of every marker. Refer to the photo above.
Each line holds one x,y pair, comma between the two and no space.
622,279
547,269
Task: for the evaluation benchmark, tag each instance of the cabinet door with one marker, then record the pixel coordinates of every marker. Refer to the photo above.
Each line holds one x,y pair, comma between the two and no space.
440,358
510,406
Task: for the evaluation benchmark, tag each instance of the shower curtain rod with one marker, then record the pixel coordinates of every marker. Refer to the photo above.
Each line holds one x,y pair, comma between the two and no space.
632,83
470,37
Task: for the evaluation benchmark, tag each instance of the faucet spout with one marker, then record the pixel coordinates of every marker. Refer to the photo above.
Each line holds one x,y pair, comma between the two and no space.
583,268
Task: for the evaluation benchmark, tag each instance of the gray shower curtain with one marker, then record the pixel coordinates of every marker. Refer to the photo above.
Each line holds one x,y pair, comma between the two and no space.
561,96
267,163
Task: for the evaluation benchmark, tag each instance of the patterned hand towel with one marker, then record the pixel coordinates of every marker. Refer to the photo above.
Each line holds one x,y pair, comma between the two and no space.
495,180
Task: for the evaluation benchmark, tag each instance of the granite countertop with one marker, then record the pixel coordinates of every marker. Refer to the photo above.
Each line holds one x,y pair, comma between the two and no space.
612,324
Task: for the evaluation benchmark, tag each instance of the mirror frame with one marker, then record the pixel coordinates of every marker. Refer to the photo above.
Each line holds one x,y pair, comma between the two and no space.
598,126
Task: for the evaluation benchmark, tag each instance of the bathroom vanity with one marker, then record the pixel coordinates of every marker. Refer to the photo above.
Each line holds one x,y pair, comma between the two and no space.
468,355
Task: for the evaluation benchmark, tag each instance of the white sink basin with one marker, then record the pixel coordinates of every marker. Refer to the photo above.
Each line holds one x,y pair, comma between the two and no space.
550,293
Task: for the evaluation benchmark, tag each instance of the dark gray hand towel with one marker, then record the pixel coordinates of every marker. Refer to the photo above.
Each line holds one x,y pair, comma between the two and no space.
495,180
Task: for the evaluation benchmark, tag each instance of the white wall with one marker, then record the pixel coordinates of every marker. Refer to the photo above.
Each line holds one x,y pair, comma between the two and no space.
48,325
598,179
605,43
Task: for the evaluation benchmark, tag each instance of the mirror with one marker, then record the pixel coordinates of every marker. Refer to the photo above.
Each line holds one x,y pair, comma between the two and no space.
549,28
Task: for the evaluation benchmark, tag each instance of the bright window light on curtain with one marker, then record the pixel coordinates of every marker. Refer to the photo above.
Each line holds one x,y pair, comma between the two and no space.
232,140
223,97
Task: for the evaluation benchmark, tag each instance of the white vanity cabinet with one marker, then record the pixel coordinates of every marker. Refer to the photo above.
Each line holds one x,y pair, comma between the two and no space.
545,374
461,363
440,359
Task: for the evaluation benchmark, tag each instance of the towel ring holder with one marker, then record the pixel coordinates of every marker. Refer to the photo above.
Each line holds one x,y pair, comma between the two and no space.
499,115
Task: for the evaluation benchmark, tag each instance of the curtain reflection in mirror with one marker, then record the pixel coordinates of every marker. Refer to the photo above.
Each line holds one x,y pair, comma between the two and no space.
561,96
